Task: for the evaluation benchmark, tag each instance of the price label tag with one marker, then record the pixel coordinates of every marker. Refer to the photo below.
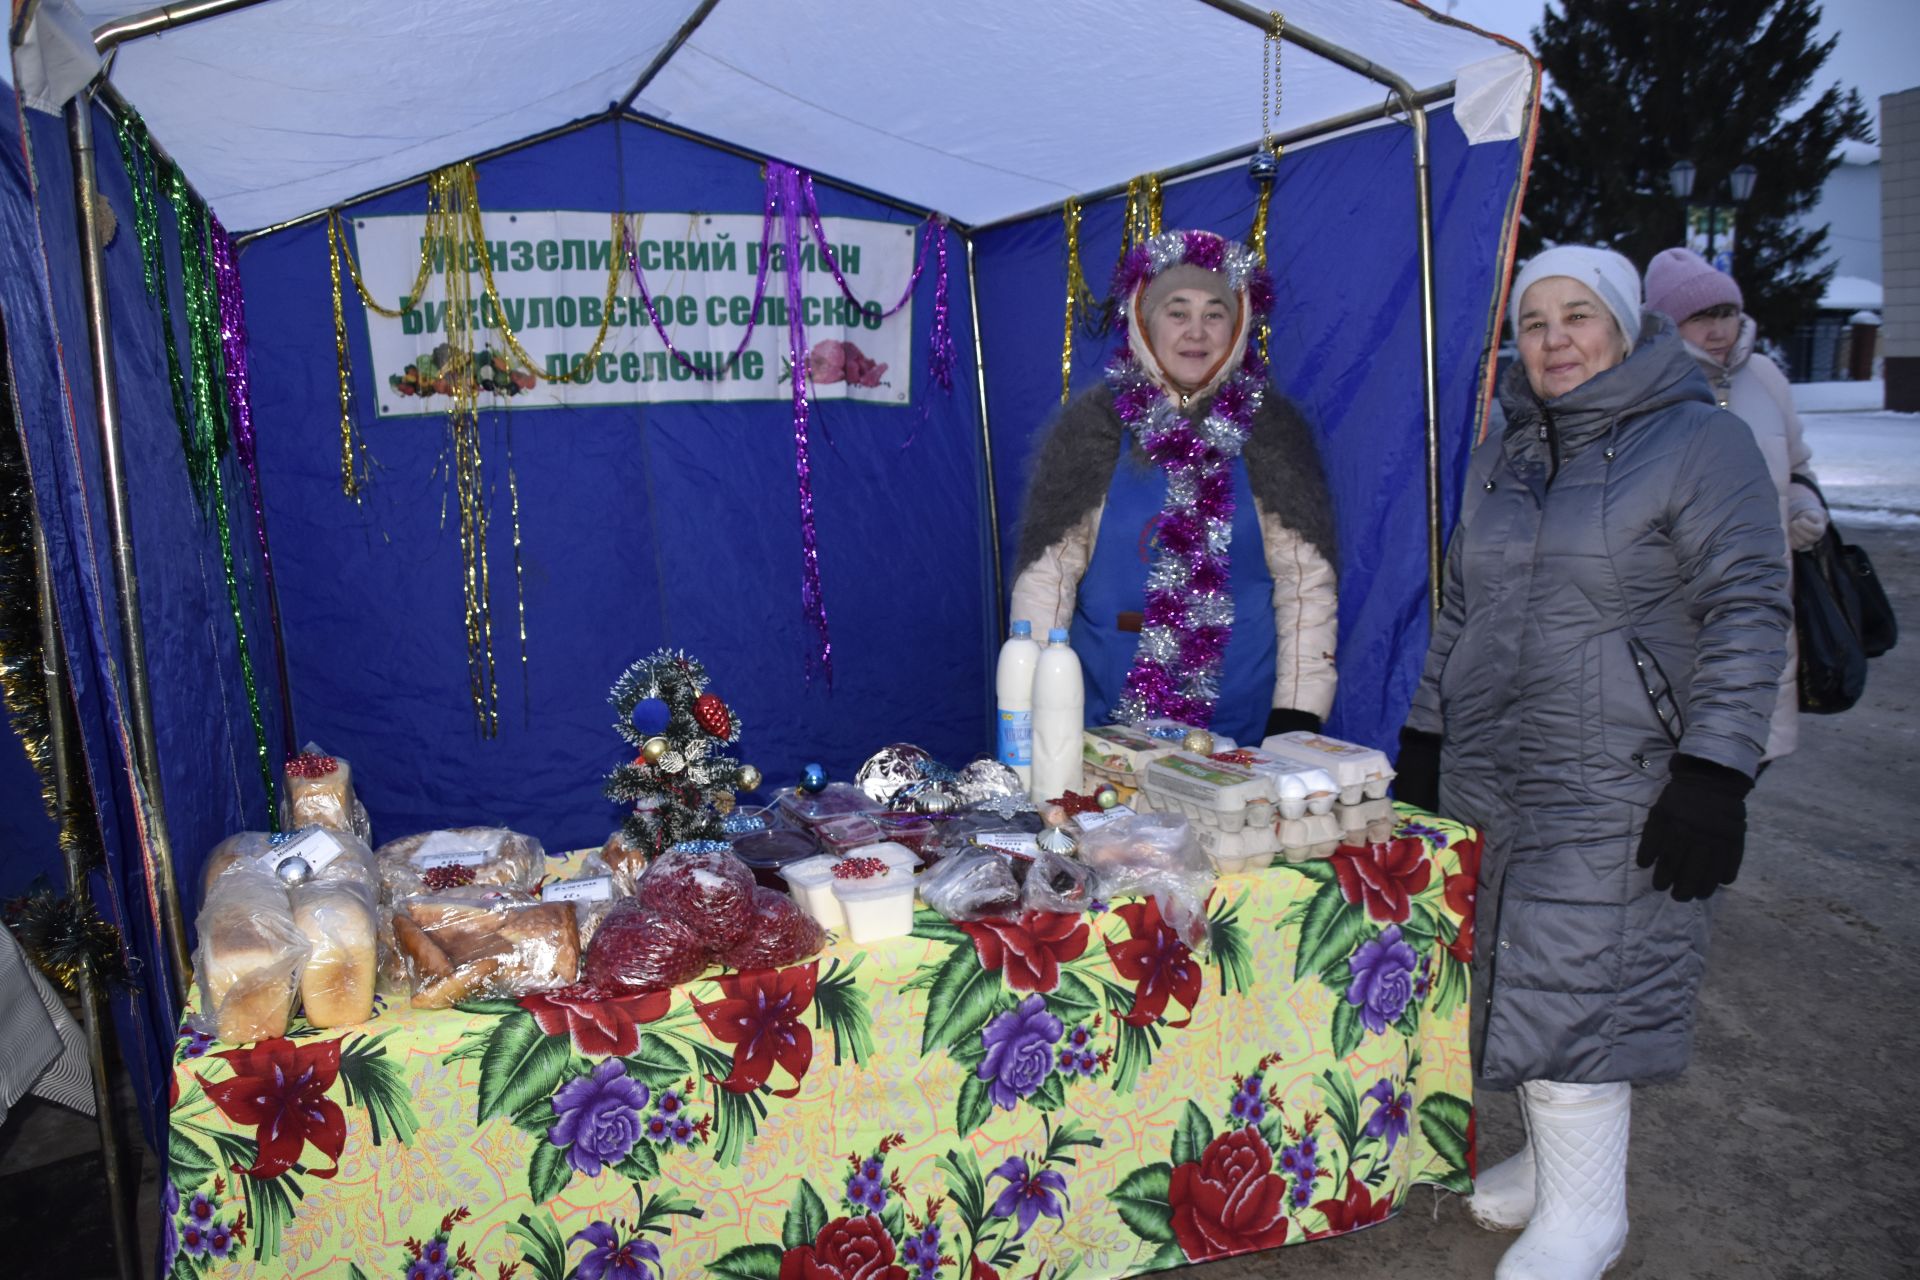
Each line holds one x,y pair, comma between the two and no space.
316,845
1095,821
449,858
585,889
1020,844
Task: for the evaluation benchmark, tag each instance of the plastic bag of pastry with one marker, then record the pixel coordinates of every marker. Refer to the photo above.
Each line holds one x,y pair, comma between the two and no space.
592,890
704,884
319,793
1154,854
475,943
782,934
639,947
250,956
627,860
436,861
971,886
1056,882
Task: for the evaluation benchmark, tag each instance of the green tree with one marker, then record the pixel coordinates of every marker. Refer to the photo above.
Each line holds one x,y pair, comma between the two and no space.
1637,85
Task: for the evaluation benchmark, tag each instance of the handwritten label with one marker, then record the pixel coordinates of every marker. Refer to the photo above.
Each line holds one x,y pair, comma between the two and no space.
449,858
1020,844
316,845
585,889
1095,821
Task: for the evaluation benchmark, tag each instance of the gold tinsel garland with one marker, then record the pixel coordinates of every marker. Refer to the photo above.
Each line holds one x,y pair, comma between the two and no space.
1079,295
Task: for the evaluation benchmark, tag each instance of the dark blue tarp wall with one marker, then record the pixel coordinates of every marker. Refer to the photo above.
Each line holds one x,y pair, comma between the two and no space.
210,781
1346,346
642,526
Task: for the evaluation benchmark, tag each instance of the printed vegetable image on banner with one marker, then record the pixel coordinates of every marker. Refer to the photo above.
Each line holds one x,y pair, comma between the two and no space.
702,273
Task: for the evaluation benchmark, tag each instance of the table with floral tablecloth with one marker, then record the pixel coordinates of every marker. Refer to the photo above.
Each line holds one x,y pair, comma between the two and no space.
1059,1095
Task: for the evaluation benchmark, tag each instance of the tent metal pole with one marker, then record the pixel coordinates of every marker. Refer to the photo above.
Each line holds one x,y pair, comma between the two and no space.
167,17
61,740
1399,88
986,441
654,68
1239,154
148,794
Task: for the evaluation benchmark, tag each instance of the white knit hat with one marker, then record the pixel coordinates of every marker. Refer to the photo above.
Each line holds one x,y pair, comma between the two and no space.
1612,277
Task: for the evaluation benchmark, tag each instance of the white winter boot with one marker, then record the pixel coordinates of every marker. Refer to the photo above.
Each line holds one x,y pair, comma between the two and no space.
1578,1135
1502,1198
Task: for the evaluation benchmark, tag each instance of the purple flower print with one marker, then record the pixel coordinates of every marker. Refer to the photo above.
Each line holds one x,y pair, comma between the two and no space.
659,1129
1310,1147
1390,1117
1080,1037
1028,1195
1421,829
1019,1052
598,1117
682,1131
201,1209
669,1102
1382,979
1088,1064
872,1168
435,1251
1249,1108
1293,1160
169,1232
1301,1195
421,1269
219,1240
610,1258
193,1239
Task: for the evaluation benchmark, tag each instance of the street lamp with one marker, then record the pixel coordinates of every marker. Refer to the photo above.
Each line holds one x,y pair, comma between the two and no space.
1739,184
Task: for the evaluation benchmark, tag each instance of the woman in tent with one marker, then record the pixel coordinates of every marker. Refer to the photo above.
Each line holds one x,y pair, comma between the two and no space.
1596,700
1177,519
1705,304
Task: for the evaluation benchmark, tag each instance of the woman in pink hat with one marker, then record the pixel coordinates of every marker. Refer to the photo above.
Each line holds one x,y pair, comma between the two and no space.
1705,304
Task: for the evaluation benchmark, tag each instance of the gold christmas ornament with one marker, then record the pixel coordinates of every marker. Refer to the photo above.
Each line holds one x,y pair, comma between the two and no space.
749,778
1198,741
653,749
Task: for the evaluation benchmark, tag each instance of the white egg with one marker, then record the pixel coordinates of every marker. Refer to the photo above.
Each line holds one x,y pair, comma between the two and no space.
1292,787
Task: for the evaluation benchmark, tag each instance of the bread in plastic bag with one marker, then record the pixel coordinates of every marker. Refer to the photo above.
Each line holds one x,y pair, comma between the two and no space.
337,907
627,860
1056,882
975,885
1158,855
782,934
250,956
638,947
437,861
319,793
469,944
707,887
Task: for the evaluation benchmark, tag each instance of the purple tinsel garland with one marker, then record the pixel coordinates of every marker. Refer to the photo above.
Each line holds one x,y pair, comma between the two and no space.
753,320
235,348
1189,607
783,181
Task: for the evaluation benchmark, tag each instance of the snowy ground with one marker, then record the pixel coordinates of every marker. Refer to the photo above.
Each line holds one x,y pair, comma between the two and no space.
1868,462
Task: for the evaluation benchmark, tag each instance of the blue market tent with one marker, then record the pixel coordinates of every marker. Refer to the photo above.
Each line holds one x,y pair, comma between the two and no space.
618,527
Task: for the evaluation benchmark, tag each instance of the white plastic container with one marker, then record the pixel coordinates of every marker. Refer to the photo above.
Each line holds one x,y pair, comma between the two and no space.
879,908
1013,694
1361,773
1059,719
813,882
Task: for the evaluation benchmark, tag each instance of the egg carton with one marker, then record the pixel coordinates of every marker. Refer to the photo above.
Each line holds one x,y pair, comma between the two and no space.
1361,773
1315,835
1214,794
1120,753
1298,790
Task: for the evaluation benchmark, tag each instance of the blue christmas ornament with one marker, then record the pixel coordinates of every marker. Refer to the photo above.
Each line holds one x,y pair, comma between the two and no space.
650,716
813,778
1263,166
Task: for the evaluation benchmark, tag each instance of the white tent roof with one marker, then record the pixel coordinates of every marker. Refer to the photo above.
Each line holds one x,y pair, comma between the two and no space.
979,109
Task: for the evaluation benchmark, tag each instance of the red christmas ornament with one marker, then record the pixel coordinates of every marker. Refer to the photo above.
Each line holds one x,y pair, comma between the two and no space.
711,715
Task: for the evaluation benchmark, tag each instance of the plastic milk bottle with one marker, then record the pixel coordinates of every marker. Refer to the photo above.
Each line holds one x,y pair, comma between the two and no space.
1013,692
1059,719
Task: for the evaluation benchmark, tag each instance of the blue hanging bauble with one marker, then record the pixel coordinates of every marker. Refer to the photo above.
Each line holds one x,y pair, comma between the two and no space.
650,716
1263,166
813,778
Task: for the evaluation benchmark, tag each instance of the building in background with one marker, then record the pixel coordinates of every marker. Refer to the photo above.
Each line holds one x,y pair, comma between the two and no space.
1838,342
1900,246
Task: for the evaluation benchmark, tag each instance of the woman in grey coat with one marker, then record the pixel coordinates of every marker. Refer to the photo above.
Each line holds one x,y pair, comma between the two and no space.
1596,700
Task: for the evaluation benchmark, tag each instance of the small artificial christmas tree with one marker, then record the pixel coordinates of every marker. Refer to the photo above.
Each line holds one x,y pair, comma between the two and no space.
679,782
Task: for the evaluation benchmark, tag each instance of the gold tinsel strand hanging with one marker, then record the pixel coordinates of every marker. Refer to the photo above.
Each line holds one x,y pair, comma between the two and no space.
1259,239
1079,295
353,449
1269,112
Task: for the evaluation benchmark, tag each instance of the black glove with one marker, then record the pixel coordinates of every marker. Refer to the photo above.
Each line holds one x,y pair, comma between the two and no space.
1417,772
1697,829
1287,720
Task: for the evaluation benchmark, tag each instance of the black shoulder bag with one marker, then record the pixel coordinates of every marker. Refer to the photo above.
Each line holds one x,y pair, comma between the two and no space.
1842,615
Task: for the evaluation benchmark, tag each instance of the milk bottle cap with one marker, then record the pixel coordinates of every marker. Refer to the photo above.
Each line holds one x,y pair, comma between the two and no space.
1021,627
1057,636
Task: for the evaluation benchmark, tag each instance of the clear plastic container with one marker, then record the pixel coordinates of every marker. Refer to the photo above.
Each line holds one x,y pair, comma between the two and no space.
836,799
844,834
813,880
877,908
768,853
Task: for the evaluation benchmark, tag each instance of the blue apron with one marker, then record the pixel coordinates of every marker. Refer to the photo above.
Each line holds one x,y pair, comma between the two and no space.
1116,583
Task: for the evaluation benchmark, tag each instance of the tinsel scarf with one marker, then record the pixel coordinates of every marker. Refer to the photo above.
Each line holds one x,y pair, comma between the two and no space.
1188,617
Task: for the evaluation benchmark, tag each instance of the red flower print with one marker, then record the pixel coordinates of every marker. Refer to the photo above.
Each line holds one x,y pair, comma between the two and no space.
761,1017
1229,1200
602,1023
981,1271
1030,950
1355,1210
845,1249
1473,1144
281,1087
1383,877
1156,959
1462,888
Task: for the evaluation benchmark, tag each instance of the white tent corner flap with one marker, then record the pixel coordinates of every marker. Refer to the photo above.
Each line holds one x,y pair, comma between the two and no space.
1490,97
56,58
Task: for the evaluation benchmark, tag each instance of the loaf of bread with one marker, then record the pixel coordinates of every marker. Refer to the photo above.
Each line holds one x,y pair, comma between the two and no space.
320,793
466,945
251,955
438,861
336,910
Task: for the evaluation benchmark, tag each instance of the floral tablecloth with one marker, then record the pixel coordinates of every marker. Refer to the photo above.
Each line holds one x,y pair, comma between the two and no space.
1061,1096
